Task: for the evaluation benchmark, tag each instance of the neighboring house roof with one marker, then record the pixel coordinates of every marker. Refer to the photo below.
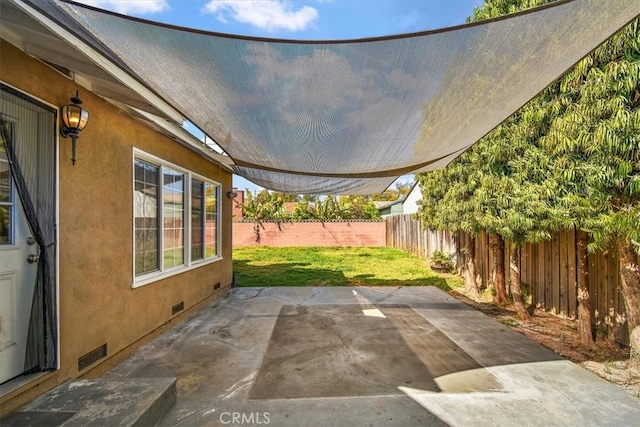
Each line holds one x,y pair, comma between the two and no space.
384,204
408,202
289,207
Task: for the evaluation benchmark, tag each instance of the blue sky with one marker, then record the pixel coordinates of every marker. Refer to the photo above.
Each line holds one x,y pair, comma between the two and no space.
299,19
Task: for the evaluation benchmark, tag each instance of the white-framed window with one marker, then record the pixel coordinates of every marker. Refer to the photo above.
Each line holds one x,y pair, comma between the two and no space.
175,219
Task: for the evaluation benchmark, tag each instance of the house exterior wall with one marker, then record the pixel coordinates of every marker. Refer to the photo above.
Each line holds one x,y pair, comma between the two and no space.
411,202
238,201
312,233
97,303
395,209
385,212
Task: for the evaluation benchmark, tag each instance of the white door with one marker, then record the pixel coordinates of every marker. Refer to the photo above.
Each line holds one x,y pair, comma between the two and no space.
18,258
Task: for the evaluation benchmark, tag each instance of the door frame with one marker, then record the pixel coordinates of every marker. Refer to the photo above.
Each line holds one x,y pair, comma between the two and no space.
56,140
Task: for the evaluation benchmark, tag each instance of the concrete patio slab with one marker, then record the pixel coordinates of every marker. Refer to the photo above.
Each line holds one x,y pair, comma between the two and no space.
367,356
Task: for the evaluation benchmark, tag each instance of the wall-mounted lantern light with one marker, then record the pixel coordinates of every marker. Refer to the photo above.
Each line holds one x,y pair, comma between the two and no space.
232,194
74,119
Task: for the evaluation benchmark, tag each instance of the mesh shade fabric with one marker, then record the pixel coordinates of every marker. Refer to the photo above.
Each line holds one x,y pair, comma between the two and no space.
293,183
351,110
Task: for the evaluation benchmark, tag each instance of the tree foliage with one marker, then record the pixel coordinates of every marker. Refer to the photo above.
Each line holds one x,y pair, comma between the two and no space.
265,206
569,158
269,206
401,189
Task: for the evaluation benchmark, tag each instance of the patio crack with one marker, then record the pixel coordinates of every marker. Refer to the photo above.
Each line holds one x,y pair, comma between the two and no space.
386,296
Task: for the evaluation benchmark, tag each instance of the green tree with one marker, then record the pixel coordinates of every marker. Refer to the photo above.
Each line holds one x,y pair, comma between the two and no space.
500,185
515,198
286,197
332,208
597,139
358,207
447,204
495,8
589,125
328,209
305,209
400,189
568,171
265,206
471,194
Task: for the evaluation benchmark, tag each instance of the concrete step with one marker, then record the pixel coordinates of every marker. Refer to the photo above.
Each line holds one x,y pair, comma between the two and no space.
100,402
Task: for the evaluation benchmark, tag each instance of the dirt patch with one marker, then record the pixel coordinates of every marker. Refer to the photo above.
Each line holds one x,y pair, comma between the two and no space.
607,359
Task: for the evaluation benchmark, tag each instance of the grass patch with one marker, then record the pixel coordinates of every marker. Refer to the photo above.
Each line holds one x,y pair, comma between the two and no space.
331,266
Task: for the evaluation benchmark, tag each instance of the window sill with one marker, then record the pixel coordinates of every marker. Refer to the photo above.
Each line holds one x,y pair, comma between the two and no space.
147,279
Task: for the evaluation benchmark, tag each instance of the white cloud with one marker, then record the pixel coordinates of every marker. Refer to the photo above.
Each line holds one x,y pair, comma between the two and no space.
270,15
128,7
408,21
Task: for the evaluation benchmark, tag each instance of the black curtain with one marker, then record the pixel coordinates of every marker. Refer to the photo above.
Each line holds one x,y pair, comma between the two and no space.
31,157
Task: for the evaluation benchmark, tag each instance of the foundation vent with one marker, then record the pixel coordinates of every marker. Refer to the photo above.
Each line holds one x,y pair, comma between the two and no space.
92,357
216,286
177,308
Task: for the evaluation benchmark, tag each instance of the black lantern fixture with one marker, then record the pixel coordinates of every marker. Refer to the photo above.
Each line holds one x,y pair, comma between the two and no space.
74,119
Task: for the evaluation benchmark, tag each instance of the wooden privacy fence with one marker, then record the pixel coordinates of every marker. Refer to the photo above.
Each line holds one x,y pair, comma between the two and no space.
548,270
406,233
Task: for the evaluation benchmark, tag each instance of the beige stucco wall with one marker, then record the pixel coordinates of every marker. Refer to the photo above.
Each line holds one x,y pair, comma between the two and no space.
97,303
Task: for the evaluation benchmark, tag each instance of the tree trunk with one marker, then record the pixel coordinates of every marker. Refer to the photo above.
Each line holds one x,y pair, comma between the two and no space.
584,304
471,285
630,275
497,244
516,291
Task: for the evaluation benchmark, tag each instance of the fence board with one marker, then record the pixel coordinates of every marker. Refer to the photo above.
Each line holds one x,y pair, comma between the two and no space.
572,279
594,291
484,253
603,264
555,274
507,260
612,298
541,283
548,291
624,330
537,283
531,271
564,269
404,232
524,264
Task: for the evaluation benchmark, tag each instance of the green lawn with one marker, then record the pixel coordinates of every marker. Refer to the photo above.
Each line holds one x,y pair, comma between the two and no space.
329,266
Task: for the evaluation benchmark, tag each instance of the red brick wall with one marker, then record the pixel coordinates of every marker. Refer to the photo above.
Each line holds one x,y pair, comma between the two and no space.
311,234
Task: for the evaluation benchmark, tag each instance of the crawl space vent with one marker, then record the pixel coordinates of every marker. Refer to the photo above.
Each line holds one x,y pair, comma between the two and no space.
92,357
177,308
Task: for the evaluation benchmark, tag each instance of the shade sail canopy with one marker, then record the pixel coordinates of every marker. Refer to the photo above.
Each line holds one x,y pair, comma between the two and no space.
349,116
